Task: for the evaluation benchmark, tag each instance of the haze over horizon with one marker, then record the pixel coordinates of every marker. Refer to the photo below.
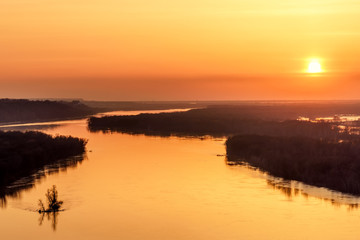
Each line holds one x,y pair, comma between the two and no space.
180,50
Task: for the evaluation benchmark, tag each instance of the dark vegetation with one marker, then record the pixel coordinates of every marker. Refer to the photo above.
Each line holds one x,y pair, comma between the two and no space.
15,189
320,162
21,154
21,110
269,110
52,200
278,111
268,136
53,207
215,121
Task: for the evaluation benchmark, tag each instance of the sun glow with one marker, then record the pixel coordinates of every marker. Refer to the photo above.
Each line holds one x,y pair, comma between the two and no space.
314,66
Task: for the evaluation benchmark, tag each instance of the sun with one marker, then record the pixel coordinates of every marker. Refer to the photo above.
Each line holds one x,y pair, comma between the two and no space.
314,66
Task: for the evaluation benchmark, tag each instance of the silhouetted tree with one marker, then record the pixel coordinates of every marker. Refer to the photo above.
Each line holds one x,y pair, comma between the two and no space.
52,201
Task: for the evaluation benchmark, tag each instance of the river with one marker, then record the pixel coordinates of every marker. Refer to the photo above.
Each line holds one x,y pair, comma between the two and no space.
146,187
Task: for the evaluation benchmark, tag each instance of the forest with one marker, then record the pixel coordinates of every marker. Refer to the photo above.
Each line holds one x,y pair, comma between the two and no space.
22,110
214,121
320,162
22,153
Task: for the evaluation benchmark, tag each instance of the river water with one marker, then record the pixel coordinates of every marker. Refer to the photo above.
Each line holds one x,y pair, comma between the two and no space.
146,187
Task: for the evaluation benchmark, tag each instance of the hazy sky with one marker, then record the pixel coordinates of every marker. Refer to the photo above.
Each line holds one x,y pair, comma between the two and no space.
179,49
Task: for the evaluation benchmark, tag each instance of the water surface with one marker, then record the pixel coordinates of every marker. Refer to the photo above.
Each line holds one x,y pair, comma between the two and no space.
144,187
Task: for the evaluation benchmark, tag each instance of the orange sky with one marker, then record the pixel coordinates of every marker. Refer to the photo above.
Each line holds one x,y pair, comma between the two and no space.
179,49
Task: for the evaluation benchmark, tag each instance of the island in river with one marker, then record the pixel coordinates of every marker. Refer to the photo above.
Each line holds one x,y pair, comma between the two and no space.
318,162
269,137
217,121
23,153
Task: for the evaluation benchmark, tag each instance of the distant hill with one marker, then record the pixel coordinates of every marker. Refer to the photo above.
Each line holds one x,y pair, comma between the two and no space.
22,110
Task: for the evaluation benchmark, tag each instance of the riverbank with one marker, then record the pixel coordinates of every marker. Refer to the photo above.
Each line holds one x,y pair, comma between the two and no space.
213,121
318,162
23,153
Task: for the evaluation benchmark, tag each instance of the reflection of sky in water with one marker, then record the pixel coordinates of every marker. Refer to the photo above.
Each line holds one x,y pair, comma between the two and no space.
140,187
350,123
30,127
341,118
336,118
291,188
117,113
50,216
38,126
14,190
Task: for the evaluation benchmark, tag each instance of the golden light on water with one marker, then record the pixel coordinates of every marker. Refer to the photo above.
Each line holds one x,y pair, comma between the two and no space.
314,66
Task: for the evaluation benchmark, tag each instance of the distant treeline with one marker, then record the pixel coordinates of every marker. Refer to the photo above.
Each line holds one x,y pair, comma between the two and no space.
21,110
323,163
23,153
266,110
146,105
291,111
213,121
